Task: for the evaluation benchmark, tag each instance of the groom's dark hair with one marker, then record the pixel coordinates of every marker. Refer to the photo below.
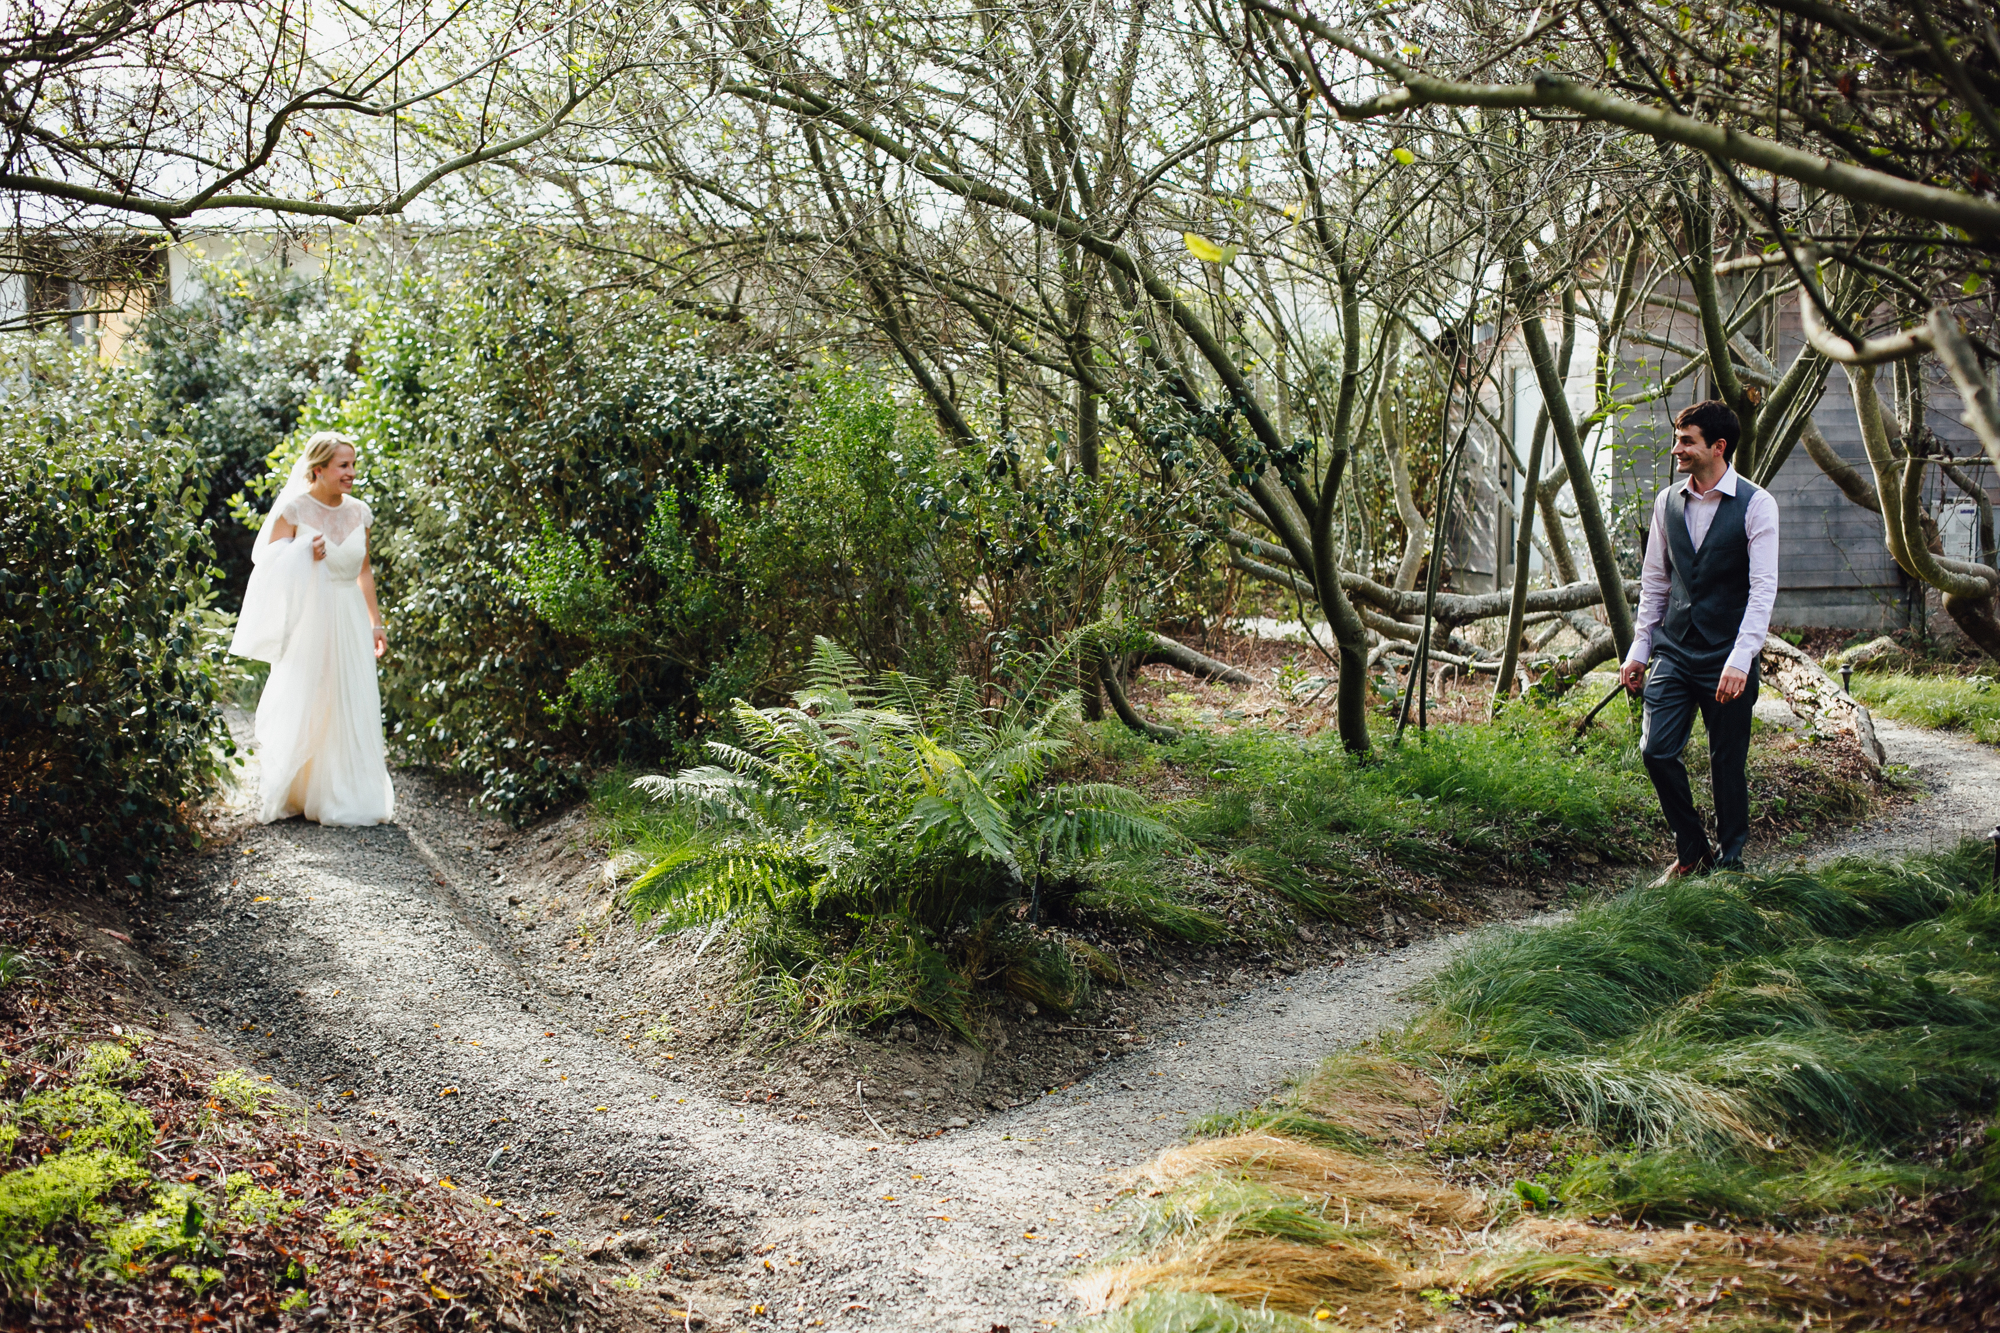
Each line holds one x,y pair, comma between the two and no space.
1715,422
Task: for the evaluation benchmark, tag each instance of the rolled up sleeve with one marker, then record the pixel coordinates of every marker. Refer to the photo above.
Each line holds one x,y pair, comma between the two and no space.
1652,587
1760,529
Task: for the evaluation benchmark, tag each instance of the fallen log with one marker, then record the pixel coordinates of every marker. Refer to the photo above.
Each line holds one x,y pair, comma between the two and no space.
1564,673
1817,699
1200,665
1122,705
1875,650
1451,607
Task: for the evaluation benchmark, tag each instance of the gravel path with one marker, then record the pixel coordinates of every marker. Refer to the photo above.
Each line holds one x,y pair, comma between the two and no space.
355,966
1960,793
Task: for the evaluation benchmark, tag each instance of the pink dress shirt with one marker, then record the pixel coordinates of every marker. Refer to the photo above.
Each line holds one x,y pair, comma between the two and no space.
1760,527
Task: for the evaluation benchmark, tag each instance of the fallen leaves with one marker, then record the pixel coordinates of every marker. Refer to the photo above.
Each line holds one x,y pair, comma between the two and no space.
380,1249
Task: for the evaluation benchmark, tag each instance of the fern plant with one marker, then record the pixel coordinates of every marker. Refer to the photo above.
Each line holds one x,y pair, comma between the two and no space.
884,814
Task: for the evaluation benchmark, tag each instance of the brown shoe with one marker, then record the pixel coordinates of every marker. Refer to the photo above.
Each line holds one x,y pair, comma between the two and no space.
1676,871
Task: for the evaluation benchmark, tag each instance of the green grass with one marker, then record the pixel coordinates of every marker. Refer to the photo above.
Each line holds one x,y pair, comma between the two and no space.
1196,1312
1236,1209
1306,820
1947,703
1761,1045
1283,1120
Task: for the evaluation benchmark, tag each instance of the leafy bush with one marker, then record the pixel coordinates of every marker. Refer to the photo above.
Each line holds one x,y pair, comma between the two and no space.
110,653
595,530
232,370
871,841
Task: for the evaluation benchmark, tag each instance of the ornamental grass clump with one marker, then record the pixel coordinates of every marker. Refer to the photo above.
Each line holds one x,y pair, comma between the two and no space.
1752,1045
1843,1007
890,845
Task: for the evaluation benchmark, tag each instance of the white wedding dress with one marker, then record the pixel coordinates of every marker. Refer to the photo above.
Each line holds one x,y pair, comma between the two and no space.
319,721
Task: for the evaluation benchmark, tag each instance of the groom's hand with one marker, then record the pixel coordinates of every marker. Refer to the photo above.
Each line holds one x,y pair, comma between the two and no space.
1633,677
1730,685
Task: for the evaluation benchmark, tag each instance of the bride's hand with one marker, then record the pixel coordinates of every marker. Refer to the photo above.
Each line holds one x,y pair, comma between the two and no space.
381,639
319,547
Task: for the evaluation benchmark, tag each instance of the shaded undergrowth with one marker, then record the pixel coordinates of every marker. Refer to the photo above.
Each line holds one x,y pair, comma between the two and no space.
1318,826
1738,1097
891,846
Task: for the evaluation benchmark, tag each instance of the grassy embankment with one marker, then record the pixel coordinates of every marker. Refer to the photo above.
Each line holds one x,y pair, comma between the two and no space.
1728,1102
1262,831
1948,703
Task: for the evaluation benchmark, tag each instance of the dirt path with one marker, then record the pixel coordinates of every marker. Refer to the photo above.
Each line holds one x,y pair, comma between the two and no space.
360,967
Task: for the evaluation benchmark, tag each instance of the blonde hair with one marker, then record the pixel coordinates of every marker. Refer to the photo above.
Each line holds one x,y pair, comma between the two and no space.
319,451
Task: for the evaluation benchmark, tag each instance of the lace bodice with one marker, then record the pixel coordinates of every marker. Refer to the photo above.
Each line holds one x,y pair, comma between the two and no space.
338,522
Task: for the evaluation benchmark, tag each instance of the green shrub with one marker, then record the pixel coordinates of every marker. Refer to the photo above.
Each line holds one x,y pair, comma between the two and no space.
869,841
596,529
110,653
232,369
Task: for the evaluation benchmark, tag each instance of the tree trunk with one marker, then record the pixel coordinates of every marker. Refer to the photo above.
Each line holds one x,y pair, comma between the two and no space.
1596,535
1510,656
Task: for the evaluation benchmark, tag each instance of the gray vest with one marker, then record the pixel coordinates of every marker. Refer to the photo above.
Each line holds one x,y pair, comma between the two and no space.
1709,588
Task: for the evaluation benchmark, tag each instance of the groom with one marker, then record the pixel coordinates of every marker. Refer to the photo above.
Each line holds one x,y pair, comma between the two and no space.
1711,576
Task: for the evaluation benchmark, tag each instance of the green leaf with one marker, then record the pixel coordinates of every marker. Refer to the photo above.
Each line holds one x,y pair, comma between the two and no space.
1404,156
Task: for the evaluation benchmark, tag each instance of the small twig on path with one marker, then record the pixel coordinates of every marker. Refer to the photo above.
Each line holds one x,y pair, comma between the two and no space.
865,1111
1133,1031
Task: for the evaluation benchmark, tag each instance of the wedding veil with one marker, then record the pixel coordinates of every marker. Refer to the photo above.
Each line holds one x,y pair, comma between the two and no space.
280,581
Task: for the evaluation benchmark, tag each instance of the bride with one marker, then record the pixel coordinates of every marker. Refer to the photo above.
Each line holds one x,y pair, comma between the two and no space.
310,611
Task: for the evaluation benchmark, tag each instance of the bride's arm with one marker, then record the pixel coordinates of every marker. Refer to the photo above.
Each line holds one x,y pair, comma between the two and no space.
367,580
283,530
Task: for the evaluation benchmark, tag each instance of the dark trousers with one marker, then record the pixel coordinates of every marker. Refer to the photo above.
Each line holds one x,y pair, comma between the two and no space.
1674,692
